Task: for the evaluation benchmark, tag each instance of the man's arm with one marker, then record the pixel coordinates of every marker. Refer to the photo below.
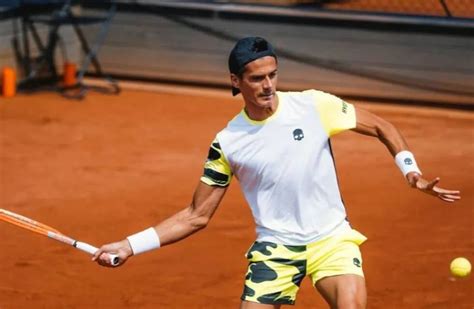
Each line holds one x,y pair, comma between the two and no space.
193,218
372,125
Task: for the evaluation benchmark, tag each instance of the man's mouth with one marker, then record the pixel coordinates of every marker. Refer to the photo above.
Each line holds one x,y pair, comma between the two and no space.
266,95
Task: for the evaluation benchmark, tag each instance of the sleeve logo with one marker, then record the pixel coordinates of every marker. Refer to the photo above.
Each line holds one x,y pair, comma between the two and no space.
344,107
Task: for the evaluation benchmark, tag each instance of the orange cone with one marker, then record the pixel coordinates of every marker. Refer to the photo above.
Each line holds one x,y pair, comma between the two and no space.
9,82
69,77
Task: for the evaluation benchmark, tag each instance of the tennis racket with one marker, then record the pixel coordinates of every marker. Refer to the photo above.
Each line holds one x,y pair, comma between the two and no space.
43,229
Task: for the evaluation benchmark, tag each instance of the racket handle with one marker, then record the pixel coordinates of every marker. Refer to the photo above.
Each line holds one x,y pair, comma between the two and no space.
114,259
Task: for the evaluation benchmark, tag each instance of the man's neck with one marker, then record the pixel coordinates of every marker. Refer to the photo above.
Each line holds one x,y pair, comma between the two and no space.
260,114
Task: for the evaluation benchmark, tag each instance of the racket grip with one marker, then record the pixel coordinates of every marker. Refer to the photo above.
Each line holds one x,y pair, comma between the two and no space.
114,259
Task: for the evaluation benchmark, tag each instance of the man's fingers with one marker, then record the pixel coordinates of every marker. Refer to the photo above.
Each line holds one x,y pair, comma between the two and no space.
97,254
444,191
413,179
430,187
104,260
102,255
450,196
447,199
432,183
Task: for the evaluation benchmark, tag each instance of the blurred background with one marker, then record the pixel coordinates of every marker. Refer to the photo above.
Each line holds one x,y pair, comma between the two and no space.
105,166
404,51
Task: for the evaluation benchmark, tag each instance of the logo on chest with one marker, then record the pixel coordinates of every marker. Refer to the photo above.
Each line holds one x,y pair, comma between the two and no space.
298,134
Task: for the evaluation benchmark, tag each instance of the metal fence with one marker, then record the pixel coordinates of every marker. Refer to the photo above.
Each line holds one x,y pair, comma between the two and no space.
394,57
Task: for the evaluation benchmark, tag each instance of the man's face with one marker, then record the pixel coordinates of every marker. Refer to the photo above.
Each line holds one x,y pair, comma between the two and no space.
258,82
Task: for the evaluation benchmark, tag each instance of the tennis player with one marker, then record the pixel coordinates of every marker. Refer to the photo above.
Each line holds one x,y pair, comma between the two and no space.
278,147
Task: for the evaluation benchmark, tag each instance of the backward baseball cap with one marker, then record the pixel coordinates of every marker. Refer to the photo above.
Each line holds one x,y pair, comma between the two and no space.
247,50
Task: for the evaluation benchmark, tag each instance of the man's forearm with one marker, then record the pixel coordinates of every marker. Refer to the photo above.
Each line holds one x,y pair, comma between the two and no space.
372,125
391,138
179,226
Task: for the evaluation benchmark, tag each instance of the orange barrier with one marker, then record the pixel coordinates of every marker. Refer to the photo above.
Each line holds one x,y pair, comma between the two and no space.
8,82
69,77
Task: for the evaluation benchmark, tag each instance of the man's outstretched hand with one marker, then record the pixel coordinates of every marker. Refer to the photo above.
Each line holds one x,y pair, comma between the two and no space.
120,248
417,181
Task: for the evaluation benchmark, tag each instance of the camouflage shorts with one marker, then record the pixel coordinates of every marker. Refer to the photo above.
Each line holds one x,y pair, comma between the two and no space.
275,272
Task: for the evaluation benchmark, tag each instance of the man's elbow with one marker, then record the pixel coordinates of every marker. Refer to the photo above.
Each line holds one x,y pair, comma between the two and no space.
198,217
386,129
200,222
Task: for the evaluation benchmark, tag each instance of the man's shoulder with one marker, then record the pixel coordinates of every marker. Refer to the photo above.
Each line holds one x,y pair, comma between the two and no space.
312,96
236,122
310,91
299,98
307,93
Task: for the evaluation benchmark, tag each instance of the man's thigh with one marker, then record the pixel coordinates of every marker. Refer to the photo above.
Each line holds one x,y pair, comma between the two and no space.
274,273
335,256
343,291
335,267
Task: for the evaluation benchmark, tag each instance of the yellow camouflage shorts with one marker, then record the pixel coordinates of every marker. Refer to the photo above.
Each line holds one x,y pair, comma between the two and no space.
275,272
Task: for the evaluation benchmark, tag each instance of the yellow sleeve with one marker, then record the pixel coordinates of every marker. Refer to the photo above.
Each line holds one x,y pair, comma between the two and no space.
217,170
336,114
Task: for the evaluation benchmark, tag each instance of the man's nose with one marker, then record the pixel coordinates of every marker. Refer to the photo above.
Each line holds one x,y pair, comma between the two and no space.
267,83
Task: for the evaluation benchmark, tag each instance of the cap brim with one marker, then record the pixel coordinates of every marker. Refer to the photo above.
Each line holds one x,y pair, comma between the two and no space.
235,91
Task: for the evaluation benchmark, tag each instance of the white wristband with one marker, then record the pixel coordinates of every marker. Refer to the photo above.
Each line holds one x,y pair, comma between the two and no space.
144,241
406,162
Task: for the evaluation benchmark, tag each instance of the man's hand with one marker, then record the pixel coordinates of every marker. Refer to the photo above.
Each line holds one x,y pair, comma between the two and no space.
416,181
120,248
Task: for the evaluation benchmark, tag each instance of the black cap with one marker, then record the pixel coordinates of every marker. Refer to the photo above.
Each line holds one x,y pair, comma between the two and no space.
247,50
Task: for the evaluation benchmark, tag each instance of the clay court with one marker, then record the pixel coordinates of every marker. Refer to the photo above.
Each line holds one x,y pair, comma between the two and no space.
108,166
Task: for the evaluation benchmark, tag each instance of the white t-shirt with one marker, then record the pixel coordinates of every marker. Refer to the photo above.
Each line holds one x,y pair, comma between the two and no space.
285,166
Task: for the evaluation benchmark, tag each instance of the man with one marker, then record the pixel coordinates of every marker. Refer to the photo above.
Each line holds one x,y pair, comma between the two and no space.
278,147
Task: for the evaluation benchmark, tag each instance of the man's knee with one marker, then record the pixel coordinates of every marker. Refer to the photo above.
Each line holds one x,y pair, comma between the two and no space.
343,292
356,300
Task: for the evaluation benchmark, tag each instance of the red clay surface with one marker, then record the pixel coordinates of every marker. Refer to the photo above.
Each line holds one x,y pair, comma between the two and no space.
457,8
110,166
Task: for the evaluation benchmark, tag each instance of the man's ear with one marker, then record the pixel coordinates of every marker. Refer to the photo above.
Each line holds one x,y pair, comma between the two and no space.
235,80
